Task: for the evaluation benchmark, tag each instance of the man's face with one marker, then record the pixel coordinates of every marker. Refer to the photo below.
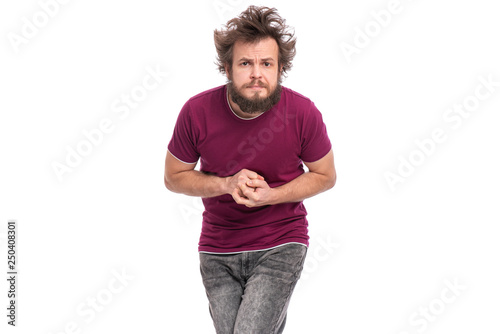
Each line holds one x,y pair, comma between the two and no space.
254,76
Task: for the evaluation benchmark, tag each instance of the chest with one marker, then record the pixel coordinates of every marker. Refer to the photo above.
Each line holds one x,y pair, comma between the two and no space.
270,146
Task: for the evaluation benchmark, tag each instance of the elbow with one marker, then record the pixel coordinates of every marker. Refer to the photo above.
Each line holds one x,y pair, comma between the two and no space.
168,183
331,181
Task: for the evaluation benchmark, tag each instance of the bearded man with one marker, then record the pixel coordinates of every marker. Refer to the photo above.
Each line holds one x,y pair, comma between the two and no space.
252,137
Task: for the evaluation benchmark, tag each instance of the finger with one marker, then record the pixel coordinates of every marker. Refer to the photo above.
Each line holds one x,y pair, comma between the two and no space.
257,183
236,195
257,177
239,199
240,193
248,192
254,175
244,189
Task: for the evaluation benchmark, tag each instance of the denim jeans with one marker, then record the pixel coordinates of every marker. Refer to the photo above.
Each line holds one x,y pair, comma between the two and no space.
249,292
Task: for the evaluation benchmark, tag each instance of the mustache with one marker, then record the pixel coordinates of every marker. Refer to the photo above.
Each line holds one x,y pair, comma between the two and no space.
256,83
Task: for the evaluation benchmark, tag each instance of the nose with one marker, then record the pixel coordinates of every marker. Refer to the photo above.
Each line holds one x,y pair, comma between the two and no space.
255,74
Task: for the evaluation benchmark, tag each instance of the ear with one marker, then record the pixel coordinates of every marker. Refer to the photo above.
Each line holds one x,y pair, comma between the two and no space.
227,68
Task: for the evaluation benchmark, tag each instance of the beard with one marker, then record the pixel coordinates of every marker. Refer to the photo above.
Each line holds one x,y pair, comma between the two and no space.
255,104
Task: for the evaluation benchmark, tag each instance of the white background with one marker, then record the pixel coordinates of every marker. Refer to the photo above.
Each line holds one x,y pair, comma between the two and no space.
378,256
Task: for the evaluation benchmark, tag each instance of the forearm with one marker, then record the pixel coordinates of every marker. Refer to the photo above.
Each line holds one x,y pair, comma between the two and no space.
196,183
302,187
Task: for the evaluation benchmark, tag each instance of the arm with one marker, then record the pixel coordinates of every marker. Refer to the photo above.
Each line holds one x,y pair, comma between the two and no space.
181,177
321,177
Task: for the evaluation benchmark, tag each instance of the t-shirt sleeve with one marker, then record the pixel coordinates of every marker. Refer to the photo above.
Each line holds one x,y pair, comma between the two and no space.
315,143
183,142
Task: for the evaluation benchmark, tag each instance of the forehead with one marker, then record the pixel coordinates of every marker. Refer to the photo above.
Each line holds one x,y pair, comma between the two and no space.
265,48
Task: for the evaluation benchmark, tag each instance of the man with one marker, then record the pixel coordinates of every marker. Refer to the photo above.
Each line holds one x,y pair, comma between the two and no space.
251,137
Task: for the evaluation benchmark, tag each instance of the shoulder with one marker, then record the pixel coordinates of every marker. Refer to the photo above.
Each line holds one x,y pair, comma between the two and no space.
297,102
203,102
293,95
208,95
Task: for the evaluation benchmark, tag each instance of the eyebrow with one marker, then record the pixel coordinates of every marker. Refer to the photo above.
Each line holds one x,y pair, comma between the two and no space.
263,59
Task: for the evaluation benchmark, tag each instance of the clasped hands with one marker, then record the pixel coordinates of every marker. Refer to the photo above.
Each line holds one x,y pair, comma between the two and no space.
250,189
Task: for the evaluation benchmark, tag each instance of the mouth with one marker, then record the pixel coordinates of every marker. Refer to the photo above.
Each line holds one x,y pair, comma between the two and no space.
256,87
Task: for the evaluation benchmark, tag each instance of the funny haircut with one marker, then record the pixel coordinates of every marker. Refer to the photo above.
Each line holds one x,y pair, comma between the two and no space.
252,26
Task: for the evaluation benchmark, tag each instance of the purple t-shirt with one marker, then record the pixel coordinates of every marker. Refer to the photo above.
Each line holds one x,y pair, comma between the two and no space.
273,145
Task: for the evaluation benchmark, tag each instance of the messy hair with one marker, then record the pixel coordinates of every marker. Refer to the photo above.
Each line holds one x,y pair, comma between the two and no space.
252,26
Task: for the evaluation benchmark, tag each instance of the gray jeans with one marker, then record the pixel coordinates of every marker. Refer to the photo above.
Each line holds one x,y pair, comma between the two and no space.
249,292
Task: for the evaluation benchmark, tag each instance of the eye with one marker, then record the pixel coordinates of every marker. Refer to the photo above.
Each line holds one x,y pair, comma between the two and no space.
266,64
245,63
